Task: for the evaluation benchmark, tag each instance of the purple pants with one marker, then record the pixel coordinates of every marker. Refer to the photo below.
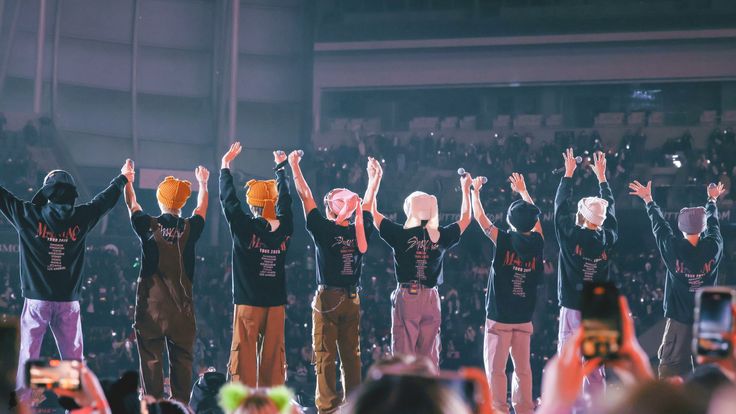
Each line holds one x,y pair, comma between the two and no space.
39,315
415,323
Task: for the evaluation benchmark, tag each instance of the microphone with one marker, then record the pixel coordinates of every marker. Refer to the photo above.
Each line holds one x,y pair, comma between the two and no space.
560,170
283,163
461,172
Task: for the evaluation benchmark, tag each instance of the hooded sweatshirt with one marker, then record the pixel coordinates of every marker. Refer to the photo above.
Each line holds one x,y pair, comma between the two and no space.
258,254
584,253
688,267
52,241
515,273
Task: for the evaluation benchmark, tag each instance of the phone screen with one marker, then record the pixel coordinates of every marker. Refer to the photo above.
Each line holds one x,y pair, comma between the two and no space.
462,387
601,320
54,373
714,322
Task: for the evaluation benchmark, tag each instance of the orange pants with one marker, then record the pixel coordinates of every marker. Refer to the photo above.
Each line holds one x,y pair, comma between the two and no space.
257,356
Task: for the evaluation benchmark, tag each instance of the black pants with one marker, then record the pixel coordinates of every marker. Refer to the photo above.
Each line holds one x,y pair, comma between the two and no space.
675,354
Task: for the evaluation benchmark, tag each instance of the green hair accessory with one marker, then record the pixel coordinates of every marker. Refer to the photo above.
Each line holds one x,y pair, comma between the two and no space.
232,396
235,394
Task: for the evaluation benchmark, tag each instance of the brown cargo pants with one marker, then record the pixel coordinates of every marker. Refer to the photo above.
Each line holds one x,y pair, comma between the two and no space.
335,329
257,355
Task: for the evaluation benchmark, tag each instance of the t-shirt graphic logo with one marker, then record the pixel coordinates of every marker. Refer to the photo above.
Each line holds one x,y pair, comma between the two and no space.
341,241
579,252
69,234
171,234
513,259
424,244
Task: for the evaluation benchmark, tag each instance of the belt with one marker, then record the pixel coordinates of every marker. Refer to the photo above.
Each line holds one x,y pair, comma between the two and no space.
414,284
348,289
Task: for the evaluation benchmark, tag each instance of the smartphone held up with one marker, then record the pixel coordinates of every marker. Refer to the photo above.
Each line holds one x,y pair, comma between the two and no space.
601,321
714,322
54,373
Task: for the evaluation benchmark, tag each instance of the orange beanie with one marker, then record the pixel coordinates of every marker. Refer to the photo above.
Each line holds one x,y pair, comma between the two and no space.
173,193
263,193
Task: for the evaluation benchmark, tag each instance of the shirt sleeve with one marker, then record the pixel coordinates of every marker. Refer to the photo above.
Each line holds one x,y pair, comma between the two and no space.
564,215
11,206
610,225
713,229
390,232
283,205
450,235
196,227
663,234
234,213
103,202
141,223
368,224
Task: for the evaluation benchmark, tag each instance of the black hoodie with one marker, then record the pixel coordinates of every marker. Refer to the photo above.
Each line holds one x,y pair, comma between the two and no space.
688,267
515,273
52,241
584,253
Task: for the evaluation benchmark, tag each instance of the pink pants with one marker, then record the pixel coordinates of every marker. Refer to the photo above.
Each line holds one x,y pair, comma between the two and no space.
500,340
415,323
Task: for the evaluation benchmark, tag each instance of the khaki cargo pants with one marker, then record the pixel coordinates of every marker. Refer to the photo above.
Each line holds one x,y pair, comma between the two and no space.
502,339
415,323
257,355
335,329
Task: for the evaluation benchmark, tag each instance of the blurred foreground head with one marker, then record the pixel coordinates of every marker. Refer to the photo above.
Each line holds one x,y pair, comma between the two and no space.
405,394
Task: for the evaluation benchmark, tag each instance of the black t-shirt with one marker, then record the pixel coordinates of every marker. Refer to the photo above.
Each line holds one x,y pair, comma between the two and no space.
172,229
416,257
584,253
259,254
515,273
52,240
688,267
339,262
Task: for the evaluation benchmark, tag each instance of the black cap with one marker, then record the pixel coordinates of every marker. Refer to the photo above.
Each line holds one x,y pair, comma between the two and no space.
54,180
522,215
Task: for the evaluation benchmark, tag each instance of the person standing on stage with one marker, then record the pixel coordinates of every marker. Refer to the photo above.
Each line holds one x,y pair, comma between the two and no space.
692,262
52,235
586,237
164,310
516,271
260,242
339,248
419,248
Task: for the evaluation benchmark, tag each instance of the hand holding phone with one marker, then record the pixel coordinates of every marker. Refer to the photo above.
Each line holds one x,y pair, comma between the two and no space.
601,321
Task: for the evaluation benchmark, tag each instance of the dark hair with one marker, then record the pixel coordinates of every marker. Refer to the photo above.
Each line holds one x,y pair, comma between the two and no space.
168,407
407,395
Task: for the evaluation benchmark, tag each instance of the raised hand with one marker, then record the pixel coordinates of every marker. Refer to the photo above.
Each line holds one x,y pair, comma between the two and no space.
642,191
202,174
633,364
231,154
294,158
599,166
570,163
517,183
563,376
375,171
477,184
465,182
715,191
279,156
128,170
